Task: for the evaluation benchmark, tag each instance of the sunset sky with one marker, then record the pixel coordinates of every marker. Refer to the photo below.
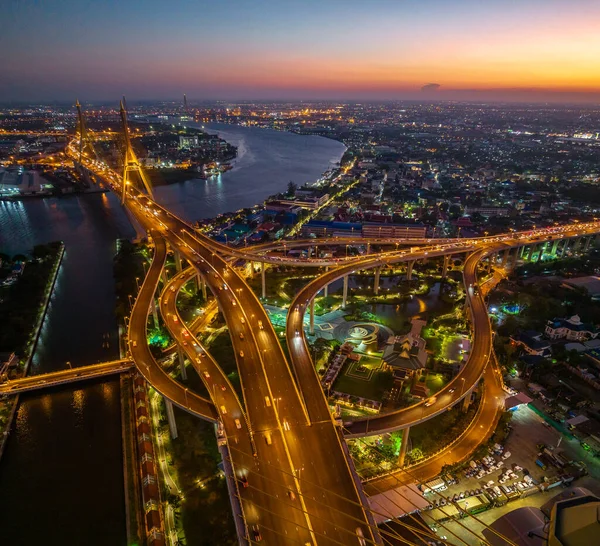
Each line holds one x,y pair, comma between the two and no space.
336,49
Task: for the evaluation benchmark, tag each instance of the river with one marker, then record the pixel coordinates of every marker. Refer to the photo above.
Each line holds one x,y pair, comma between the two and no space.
61,478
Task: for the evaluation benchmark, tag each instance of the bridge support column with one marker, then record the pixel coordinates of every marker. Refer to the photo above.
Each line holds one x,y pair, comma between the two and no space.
445,266
466,402
588,241
409,270
403,447
505,257
530,250
177,256
312,317
154,312
565,247
202,284
171,418
326,288
541,246
368,248
345,293
377,278
555,248
264,280
181,357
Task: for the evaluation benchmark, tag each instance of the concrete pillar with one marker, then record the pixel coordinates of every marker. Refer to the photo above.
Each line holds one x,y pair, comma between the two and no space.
377,278
555,248
586,246
445,267
326,288
522,251
541,247
154,312
203,287
505,257
177,256
530,250
345,293
466,402
182,363
264,280
171,418
564,248
368,248
312,317
409,269
403,447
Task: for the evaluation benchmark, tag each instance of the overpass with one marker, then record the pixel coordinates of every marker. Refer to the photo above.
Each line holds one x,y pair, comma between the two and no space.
65,377
297,423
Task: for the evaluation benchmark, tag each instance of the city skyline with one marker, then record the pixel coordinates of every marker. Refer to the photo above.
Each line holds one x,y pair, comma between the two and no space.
502,51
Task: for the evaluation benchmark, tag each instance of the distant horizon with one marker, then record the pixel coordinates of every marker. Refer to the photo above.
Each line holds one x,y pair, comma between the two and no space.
592,101
498,50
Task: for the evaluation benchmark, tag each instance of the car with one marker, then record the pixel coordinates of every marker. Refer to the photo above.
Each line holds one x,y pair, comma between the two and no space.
134,343
242,320
430,402
286,425
451,391
244,481
291,494
223,410
361,537
297,333
185,332
194,344
260,325
242,354
256,536
268,438
241,335
233,302
185,343
206,374
223,388
175,319
238,424
224,286
172,289
198,359
268,401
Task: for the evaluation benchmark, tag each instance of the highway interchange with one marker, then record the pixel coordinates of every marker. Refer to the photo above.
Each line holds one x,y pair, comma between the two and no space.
294,478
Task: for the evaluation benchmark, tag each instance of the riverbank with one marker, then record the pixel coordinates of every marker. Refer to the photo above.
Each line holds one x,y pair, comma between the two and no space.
8,406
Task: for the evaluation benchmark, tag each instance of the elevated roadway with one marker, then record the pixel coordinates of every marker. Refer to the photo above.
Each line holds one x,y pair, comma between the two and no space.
65,377
322,473
140,351
263,488
465,381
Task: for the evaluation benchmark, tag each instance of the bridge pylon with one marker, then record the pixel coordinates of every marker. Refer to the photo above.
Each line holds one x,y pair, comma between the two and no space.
86,141
131,163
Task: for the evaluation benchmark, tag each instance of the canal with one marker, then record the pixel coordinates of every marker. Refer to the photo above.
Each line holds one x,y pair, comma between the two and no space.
61,475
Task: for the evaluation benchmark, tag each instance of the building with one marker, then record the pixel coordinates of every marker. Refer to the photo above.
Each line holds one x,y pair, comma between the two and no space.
532,343
188,142
410,231
488,211
568,519
571,329
19,181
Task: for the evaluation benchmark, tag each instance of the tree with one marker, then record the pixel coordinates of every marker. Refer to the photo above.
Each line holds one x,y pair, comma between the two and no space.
291,189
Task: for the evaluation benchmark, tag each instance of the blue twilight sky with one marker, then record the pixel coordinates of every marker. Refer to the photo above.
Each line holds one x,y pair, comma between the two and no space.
252,49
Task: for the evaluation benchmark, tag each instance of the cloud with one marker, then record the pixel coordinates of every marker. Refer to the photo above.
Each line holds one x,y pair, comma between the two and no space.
431,87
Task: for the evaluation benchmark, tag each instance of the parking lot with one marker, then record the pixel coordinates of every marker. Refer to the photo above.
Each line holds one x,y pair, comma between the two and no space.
528,431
